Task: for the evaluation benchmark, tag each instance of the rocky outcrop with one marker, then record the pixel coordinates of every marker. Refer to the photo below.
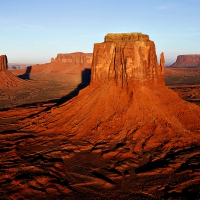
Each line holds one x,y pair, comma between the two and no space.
74,58
3,63
192,60
124,136
7,79
127,59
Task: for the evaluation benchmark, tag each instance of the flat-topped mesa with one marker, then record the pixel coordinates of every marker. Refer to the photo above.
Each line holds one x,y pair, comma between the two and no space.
74,58
190,60
127,59
3,63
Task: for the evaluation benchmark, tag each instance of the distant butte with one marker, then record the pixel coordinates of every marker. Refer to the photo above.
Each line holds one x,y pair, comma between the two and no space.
3,63
7,79
125,136
191,60
74,58
67,63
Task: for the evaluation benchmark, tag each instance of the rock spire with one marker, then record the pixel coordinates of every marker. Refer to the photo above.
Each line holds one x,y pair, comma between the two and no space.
3,63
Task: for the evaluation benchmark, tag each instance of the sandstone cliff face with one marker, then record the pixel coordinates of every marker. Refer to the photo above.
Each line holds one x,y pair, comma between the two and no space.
3,63
187,61
127,59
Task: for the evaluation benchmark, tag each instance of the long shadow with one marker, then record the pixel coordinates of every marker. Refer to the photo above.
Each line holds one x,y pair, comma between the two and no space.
26,75
85,81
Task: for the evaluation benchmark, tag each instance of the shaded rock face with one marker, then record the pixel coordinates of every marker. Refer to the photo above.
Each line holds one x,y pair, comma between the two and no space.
3,63
187,61
74,58
127,59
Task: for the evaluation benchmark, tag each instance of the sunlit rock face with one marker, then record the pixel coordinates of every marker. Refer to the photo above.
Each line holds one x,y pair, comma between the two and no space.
3,63
127,59
192,60
7,79
74,58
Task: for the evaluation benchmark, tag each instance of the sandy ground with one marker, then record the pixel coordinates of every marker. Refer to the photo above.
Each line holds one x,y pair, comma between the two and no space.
40,161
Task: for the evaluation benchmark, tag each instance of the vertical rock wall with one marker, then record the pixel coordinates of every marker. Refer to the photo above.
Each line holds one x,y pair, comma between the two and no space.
3,63
126,59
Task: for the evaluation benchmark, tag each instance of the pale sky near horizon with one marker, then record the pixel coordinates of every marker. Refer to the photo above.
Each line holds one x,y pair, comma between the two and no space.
33,31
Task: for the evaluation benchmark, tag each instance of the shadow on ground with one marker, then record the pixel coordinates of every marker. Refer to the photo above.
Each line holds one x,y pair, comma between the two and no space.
85,81
26,75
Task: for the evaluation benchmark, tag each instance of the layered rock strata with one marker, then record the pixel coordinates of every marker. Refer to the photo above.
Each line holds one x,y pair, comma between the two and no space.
74,58
127,59
192,60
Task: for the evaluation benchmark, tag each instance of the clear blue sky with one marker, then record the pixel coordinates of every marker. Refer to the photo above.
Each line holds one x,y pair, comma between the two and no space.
33,31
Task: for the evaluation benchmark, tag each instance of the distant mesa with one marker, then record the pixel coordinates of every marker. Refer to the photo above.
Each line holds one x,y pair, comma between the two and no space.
74,58
67,63
192,60
72,62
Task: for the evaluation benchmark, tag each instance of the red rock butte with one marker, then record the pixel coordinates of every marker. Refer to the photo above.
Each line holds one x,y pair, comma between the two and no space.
3,63
126,94
7,79
127,59
125,136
